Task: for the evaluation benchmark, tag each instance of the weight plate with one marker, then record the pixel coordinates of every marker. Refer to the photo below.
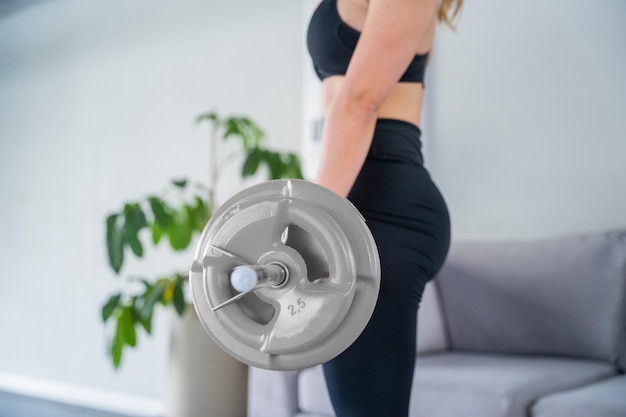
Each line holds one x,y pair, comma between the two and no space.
332,266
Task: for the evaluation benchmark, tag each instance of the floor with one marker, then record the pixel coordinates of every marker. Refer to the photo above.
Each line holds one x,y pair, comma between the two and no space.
12,405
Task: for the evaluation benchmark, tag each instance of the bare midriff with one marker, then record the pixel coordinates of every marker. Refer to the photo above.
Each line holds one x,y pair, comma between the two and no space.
405,100
403,103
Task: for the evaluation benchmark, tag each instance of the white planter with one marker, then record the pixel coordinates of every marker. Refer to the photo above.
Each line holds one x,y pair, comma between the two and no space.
203,381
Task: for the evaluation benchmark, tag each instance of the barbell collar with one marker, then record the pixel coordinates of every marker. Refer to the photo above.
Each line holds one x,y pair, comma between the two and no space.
250,277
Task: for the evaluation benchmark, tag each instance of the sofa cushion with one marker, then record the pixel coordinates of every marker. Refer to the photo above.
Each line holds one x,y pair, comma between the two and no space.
602,399
465,384
313,393
559,296
481,385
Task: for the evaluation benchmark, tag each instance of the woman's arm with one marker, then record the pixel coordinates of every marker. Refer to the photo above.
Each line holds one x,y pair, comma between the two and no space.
391,35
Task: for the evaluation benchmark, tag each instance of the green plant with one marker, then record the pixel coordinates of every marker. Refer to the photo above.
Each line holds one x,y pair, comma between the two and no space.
175,216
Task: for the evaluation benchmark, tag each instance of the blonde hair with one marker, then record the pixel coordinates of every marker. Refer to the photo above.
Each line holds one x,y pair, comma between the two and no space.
448,11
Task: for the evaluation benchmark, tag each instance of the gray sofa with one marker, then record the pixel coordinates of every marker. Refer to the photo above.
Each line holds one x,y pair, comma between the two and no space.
508,329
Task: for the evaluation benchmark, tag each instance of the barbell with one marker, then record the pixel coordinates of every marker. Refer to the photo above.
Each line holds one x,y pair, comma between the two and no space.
285,275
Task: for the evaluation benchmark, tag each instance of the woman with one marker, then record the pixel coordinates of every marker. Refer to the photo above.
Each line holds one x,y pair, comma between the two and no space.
371,56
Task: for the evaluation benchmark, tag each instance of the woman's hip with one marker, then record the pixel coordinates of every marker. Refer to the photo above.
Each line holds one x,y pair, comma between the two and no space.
395,191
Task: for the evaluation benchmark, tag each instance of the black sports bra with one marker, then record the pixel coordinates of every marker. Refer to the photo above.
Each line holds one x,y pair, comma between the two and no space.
331,43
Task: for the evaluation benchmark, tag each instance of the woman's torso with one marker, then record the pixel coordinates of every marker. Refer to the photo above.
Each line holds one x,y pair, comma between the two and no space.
405,100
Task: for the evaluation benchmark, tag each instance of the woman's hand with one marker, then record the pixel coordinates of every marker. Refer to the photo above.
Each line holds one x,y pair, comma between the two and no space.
391,36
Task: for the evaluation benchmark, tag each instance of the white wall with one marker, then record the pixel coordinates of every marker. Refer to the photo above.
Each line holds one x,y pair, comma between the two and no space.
525,126
97,102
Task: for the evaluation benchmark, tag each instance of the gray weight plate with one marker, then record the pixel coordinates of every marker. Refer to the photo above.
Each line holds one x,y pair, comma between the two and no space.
332,268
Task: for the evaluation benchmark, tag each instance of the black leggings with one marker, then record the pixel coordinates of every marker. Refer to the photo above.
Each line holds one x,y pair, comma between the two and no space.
409,220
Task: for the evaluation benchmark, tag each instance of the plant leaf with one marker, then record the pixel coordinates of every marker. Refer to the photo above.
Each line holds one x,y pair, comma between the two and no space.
168,294
179,298
134,221
110,306
126,323
157,233
134,217
191,215
210,117
135,245
296,166
180,183
146,323
115,243
232,128
180,230
251,164
150,298
254,131
201,213
292,167
162,212
275,164
117,346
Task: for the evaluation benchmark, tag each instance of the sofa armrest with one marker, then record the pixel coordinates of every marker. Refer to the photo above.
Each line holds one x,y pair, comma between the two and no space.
272,393
432,334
